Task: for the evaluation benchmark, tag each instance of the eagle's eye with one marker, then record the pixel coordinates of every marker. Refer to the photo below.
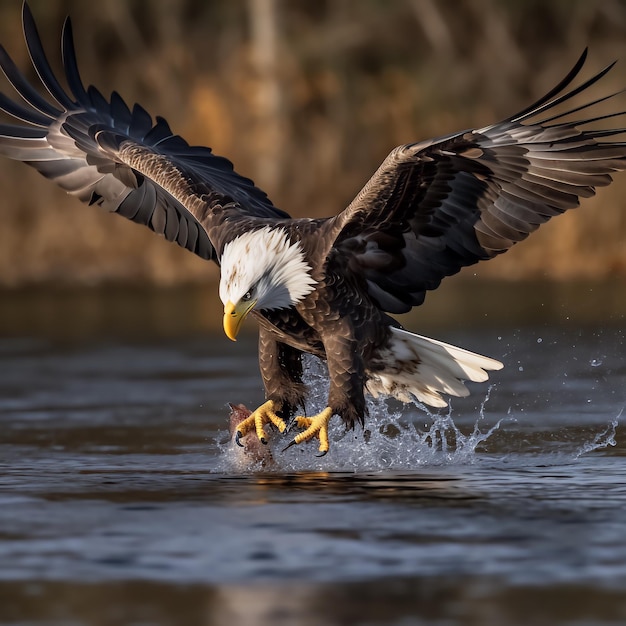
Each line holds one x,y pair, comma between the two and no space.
246,296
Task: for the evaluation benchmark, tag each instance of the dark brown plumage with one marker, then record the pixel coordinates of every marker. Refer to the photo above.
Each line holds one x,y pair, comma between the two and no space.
323,286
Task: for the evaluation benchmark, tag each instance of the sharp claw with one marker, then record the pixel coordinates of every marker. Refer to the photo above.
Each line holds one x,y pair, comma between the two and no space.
238,436
291,443
321,454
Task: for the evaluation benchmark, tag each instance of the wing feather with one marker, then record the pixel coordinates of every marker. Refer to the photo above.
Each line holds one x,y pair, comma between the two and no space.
40,61
453,201
117,157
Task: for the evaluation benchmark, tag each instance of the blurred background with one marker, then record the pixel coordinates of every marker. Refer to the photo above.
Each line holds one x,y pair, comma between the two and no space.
307,98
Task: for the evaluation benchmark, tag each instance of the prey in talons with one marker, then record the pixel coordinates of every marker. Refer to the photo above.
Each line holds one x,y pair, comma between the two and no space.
254,424
265,414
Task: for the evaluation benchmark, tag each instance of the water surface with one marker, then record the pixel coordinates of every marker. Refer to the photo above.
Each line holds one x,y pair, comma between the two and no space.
123,502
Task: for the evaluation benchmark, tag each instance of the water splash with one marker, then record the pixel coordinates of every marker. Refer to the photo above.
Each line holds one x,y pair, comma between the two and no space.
603,439
390,441
393,441
402,437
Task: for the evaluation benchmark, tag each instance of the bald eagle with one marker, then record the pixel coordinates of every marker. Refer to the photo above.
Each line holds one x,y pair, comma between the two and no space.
326,286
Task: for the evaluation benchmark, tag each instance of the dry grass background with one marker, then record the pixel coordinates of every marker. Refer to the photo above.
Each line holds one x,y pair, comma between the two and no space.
307,97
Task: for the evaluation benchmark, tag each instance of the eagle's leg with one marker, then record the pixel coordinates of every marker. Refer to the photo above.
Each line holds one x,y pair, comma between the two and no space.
281,369
265,414
345,396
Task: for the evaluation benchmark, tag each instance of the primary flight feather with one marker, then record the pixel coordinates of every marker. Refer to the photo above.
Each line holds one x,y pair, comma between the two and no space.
322,286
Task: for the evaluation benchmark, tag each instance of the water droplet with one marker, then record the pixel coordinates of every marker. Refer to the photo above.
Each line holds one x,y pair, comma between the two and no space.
595,362
520,368
539,339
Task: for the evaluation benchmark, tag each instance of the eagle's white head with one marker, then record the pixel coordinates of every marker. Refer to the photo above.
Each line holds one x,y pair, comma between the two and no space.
261,269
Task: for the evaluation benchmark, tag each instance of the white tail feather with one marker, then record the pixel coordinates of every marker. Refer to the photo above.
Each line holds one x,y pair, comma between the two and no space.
419,367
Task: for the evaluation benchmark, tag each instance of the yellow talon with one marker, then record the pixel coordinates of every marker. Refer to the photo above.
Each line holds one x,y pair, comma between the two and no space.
265,414
316,426
303,422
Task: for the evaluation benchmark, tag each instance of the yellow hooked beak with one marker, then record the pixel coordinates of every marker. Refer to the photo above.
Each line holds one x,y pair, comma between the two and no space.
234,314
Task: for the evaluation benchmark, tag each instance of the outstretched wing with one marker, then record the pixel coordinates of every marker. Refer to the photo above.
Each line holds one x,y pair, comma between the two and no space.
106,154
437,206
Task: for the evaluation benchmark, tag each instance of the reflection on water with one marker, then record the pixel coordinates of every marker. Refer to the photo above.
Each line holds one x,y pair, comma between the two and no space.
120,501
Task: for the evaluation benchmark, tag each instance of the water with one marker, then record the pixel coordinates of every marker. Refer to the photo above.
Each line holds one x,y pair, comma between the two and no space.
122,501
